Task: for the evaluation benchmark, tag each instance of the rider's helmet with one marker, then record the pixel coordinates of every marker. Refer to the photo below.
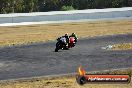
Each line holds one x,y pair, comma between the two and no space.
73,34
66,34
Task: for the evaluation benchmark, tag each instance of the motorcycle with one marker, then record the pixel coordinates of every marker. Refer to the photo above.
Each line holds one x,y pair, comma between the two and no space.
61,44
71,42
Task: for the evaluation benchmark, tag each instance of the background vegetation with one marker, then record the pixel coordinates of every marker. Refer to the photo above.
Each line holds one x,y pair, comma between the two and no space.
22,6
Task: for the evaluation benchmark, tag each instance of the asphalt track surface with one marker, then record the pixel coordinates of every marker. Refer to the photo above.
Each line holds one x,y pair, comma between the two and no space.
41,60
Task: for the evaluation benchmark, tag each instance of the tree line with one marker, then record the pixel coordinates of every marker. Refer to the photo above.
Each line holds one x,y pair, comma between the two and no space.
26,6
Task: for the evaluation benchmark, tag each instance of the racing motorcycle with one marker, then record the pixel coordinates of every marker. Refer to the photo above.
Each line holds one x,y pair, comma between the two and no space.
61,44
71,42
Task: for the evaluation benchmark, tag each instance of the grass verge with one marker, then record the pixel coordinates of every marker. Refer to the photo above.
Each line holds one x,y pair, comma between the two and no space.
17,35
122,46
67,81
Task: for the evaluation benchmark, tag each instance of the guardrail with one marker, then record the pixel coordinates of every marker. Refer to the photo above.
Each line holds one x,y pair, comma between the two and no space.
66,15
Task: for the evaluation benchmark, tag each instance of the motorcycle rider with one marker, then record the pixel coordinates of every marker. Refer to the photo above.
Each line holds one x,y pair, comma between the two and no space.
67,38
74,35
64,39
61,40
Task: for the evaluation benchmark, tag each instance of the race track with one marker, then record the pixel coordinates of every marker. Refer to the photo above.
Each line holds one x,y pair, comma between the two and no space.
41,60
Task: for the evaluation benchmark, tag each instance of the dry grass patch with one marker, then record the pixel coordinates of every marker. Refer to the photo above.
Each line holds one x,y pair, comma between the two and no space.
63,82
122,46
41,33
